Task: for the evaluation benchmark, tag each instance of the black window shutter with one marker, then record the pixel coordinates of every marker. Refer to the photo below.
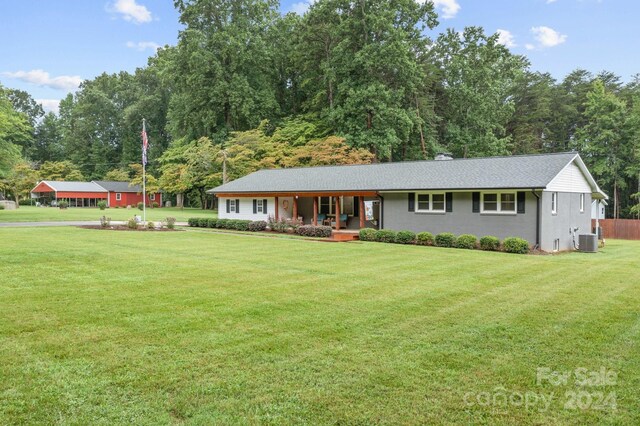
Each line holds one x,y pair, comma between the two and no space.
264,206
228,205
521,203
356,207
412,201
475,202
237,206
449,201
255,206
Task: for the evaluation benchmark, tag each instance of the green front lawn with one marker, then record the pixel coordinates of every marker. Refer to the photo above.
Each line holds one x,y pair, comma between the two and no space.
47,214
206,328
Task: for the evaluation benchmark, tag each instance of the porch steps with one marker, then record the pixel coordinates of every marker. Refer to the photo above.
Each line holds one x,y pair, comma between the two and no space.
344,236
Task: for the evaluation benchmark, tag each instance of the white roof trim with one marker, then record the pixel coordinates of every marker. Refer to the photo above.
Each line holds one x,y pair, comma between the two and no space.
596,192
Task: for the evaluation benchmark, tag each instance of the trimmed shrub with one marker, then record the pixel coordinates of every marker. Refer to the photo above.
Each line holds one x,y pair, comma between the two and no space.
257,225
516,245
466,241
155,205
385,236
140,206
151,225
171,222
1,206
222,223
192,221
132,223
424,239
102,205
367,234
445,239
211,223
63,204
489,242
405,237
314,231
241,225
24,202
203,222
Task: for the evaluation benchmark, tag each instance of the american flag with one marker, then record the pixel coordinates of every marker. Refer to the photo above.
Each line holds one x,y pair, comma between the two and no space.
145,145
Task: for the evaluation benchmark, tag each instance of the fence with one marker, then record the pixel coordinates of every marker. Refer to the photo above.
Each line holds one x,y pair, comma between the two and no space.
624,229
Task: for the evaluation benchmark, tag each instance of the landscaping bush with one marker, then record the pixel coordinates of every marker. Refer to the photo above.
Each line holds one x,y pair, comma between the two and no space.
241,225
140,206
314,231
63,204
192,221
212,223
257,225
516,245
405,237
222,223
466,241
24,202
105,222
1,206
424,239
367,234
102,205
155,205
203,222
489,242
385,236
445,239
171,222
132,223
151,225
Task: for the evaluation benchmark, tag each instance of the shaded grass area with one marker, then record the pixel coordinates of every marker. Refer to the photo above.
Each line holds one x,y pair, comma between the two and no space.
48,214
202,327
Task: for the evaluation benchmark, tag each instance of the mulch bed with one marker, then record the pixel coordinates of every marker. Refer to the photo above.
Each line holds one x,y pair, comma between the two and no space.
126,228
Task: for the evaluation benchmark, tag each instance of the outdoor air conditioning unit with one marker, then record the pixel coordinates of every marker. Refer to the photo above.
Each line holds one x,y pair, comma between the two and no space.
588,243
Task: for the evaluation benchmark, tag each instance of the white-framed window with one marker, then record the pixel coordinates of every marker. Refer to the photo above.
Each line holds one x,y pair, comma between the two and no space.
152,197
554,203
581,203
430,202
118,196
498,202
232,206
259,206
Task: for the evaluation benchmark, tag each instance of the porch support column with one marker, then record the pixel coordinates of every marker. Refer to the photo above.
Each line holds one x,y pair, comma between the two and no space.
338,213
276,210
362,214
295,208
315,211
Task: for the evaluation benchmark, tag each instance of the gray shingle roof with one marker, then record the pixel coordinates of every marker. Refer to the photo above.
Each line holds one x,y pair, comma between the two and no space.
524,171
114,186
72,186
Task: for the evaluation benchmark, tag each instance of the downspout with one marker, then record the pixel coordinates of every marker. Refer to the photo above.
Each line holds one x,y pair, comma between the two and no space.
381,225
537,246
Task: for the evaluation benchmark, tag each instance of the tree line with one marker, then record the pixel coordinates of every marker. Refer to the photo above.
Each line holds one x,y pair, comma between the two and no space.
247,87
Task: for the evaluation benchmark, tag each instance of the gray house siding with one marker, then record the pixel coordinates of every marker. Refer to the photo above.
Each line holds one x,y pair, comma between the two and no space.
461,220
568,216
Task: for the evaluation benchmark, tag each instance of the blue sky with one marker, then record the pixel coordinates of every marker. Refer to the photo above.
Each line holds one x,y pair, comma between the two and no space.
49,47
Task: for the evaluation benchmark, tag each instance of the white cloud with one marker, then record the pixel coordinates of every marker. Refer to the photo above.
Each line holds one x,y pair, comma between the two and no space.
42,78
49,105
506,38
143,45
301,7
449,8
131,11
548,37
529,46
551,1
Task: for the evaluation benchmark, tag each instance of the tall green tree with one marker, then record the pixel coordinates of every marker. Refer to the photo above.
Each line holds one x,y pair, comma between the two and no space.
602,140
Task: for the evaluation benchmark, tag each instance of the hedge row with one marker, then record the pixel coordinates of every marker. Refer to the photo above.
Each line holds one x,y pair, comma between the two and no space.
237,224
314,231
445,239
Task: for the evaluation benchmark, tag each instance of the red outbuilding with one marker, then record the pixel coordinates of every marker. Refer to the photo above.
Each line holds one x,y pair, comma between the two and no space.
88,194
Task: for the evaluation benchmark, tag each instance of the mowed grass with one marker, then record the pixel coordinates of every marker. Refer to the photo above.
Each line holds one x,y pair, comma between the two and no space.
100,327
52,214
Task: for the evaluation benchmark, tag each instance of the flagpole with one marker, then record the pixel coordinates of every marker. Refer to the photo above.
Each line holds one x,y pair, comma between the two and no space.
144,179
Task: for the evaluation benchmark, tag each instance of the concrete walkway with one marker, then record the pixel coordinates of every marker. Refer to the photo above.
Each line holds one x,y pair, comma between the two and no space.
66,223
